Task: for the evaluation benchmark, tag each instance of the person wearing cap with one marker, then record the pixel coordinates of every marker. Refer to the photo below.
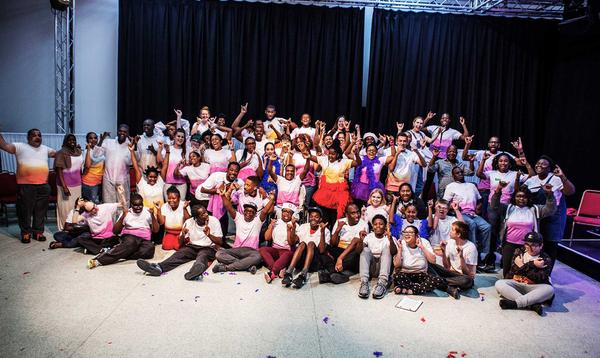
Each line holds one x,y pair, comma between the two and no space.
313,235
147,145
341,260
281,233
376,250
519,217
459,258
527,284
200,236
244,255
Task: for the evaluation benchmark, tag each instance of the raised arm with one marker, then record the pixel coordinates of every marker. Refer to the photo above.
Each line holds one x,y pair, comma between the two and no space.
268,208
119,224
468,141
568,187
306,168
236,122
134,164
226,196
480,173
429,117
465,132
7,147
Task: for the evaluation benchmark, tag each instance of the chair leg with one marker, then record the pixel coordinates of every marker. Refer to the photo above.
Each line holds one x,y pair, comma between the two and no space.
571,237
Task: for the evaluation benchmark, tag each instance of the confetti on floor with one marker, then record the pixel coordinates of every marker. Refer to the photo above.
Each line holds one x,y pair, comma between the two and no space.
205,273
452,354
26,273
196,298
423,319
232,274
239,283
325,319
271,356
256,290
378,354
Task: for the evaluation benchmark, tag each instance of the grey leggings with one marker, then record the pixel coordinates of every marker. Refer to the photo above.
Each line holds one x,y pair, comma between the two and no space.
370,266
523,294
239,258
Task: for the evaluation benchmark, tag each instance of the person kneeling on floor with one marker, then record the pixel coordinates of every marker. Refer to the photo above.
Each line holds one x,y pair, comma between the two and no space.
527,284
244,255
135,227
198,239
459,256
376,250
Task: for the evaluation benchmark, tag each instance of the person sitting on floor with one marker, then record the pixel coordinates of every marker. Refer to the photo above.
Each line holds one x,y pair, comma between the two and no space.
67,238
244,255
135,227
99,218
441,222
282,234
527,284
172,215
411,264
342,261
313,235
199,237
376,250
459,256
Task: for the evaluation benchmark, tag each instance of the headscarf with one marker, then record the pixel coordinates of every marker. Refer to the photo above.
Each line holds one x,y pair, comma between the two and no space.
62,158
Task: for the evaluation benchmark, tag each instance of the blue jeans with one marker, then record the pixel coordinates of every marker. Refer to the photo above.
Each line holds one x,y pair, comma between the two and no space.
419,185
310,190
479,232
91,192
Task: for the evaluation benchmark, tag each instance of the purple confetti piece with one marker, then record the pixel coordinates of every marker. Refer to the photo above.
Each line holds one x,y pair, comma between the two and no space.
164,273
325,319
256,290
205,273
232,274
222,273
482,298
271,357
239,283
377,354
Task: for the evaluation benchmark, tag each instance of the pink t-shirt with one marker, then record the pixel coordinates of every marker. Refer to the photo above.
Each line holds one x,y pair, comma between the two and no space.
247,233
175,157
299,163
465,195
495,177
72,175
519,222
288,191
196,175
101,224
484,184
443,141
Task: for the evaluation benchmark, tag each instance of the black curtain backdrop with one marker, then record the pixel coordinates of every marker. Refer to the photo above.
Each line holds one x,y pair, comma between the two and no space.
186,54
493,71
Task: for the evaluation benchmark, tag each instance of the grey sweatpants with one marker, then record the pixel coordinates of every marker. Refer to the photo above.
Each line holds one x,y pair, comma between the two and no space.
239,258
370,266
523,294
109,190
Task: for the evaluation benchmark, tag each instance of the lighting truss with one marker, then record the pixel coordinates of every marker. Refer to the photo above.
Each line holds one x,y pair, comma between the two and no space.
64,80
546,9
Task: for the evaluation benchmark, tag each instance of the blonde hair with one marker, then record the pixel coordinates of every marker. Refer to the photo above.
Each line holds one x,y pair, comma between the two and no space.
377,190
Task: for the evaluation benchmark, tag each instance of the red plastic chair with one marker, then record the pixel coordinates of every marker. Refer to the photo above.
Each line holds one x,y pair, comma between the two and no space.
8,193
132,183
588,213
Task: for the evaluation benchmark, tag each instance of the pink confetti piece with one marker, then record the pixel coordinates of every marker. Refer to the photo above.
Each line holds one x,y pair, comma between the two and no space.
325,319
423,319
463,354
164,273
452,354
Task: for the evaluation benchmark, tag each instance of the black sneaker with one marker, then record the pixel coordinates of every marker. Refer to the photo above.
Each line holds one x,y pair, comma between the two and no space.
338,278
324,276
194,272
252,270
537,308
150,268
489,268
453,291
287,279
299,281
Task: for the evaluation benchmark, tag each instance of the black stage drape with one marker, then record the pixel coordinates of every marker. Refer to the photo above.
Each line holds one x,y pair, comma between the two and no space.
493,71
186,54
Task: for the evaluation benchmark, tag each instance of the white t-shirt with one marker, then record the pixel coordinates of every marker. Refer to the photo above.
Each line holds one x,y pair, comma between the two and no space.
101,224
69,218
375,244
173,218
465,195
253,164
303,130
138,224
32,163
196,232
145,156
151,193
347,233
260,145
442,232
405,169
469,253
371,211
280,235
240,198
117,160
334,171
247,233
214,181
414,260
217,158
196,175
534,184
304,234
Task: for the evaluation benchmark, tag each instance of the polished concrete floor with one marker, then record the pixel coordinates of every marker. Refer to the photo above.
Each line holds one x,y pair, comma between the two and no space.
52,305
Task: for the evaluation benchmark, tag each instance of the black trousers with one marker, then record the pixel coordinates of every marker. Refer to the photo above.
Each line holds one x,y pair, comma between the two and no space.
349,263
130,247
187,253
32,205
508,250
452,278
94,246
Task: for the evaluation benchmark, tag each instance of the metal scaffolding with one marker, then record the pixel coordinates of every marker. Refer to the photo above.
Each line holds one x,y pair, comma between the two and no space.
64,79
546,9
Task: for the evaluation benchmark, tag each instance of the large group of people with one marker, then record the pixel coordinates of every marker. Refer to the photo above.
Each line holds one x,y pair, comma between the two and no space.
300,198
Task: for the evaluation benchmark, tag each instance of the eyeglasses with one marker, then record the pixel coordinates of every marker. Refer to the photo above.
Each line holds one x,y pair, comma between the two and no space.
408,233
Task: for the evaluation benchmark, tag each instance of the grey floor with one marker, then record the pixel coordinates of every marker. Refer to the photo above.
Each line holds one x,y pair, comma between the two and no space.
52,305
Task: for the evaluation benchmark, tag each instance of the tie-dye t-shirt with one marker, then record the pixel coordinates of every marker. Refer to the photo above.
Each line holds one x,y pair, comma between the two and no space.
443,141
72,175
32,163
247,233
